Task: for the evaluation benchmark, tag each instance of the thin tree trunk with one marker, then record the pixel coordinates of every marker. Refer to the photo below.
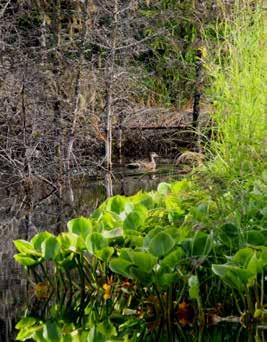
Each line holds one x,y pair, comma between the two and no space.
109,90
75,119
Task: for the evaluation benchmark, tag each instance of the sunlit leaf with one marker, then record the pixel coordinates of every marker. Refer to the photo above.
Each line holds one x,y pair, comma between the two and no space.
80,226
39,238
26,260
26,248
50,248
95,242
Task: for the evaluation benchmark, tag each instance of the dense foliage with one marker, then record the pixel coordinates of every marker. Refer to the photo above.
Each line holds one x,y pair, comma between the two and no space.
146,257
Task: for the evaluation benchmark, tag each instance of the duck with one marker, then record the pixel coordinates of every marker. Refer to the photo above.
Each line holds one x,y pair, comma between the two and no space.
145,165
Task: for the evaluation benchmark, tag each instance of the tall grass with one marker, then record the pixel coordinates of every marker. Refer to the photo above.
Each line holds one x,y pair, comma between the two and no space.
237,67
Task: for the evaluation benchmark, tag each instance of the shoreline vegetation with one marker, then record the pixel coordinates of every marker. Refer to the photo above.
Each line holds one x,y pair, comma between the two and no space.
193,253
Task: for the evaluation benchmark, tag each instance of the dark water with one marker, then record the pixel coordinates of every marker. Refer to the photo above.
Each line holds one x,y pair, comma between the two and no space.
23,214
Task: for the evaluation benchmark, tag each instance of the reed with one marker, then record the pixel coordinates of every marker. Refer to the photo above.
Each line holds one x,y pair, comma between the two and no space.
236,64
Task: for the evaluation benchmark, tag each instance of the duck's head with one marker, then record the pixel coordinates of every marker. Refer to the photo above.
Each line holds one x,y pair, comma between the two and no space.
154,155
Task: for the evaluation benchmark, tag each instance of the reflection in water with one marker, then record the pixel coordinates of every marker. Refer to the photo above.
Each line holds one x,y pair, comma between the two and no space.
25,212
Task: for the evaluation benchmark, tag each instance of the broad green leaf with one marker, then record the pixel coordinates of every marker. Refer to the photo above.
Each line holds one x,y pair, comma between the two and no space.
150,235
80,226
39,238
125,253
71,242
121,266
95,242
51,332
243,256
26,248
144,199
28,333
135,219
201,244
105,253
164,280
143,260
144,277
117,204
233,276
255,264
50,248
109,220
26,322
161,244
256,237
26,260
172,260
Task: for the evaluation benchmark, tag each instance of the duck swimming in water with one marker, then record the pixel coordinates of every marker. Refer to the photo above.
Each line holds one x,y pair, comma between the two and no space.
145,165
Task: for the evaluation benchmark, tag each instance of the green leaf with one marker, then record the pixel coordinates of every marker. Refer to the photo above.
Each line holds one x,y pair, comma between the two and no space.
193,284
229,235
114,233
109,220
143,260
161,244
243,256
26,322
27,333
107,329
105,253
150,235
66,260
51,332
50,248
164,188
116,204
135,219
256,238
95,242
71,242
26,260
80,226
26,248
255,264
201,244
172,260
38,239
164,280
121,266
233,276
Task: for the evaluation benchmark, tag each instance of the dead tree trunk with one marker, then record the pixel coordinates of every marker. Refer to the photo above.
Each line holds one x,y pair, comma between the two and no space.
109,87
